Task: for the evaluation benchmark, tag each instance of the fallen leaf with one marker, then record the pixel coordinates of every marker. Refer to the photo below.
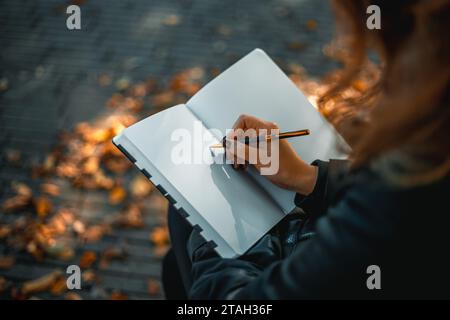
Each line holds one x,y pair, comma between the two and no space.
13,157
91,165
117,295
112,253
4,84
3,284
296,46
72,296
117,195
21,189
16,203
153,287
5,231
66,254
122,84
131,217
88,276
140,186
139,90
41,284
6,262
58,287
94,233
172,20
311,24
117,165
87,259
35,250
133,104
78,227
104,80
159,236
160,251
43,206
50,189
162,100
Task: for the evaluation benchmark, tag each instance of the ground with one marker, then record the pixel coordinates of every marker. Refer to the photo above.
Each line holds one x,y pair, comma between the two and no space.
52,79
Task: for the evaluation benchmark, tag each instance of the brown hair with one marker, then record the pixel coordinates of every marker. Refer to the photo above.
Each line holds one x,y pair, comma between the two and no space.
407,107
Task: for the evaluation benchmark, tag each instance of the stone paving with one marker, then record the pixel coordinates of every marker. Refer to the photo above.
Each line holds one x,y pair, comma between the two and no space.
49,82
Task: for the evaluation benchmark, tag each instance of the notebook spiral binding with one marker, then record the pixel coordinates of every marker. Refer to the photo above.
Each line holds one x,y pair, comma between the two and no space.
210,244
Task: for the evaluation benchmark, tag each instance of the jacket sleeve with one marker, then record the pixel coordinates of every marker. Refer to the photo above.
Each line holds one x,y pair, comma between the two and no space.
331,264
330,179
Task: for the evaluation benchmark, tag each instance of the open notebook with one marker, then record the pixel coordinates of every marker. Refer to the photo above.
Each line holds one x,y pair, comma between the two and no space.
232,209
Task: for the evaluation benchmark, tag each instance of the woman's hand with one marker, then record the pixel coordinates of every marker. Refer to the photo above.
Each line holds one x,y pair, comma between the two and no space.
293,173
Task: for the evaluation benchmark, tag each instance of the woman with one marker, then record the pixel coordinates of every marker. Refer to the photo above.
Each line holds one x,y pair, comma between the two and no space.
385,207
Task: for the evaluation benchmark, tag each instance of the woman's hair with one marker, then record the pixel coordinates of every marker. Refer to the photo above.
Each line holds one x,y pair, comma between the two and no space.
407,107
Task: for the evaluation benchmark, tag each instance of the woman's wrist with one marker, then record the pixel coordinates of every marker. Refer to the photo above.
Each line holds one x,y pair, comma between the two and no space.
307,177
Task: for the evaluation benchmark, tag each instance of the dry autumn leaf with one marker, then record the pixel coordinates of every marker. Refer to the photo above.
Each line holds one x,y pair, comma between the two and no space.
41,284
117,295
72,296
160,251
43,206
131,217
94,233
153,287
3,284
88,276
311,24
172,20
112,253
87,259
16,203
164,99
117,195
5,231
6,262
140,186
13,157
21,189
58,287
159,236
50,189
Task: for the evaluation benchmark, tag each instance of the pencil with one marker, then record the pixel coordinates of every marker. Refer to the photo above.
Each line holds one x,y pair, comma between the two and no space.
283,135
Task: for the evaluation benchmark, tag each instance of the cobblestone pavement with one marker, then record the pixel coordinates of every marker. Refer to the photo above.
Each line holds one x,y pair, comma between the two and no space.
49,82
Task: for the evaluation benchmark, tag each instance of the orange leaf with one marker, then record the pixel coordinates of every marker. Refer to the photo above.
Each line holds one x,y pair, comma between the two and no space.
159,236
72,296
6,262
41,284
87,259
311,24
43,206
153,287
58,287
116,195
50,188
116,295
140,186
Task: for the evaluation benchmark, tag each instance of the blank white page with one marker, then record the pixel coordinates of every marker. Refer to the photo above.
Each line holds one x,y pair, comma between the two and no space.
237,208
255,85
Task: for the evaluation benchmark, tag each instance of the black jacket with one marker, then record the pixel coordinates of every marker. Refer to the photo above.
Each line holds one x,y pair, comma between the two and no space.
355,220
